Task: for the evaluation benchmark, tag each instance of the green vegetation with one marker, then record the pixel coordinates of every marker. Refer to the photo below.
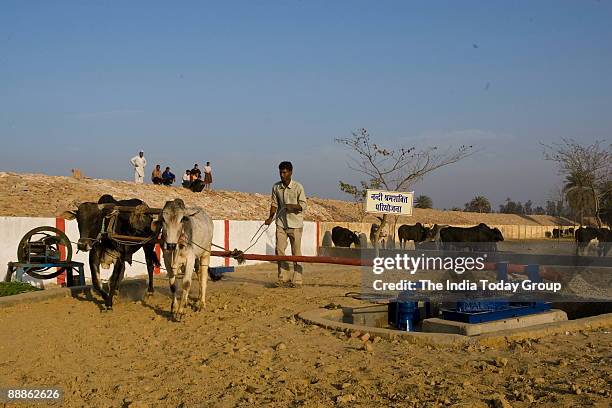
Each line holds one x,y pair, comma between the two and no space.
14,288
478,204
588,171
423,201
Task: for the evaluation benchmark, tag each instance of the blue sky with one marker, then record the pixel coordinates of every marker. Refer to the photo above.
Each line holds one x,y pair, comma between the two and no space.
248,84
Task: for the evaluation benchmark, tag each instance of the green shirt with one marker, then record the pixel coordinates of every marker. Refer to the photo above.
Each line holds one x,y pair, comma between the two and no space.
292,194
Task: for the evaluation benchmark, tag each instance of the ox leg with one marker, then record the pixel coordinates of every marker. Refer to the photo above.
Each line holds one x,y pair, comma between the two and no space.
94,267
171,279
115,280
152,260
189,265
203,272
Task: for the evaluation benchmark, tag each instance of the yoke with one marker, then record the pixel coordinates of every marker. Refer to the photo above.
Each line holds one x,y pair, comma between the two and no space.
111,225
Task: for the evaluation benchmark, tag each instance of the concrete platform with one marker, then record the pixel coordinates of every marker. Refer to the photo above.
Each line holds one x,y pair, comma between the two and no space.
436,325
374,315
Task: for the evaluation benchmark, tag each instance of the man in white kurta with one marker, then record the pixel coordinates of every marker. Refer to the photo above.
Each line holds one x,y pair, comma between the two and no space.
139,162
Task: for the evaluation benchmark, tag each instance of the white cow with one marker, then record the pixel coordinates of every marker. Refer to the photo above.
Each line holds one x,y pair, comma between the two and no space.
187,238
434,235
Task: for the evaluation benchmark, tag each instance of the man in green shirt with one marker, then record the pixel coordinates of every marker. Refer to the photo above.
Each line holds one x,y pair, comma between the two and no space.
289,205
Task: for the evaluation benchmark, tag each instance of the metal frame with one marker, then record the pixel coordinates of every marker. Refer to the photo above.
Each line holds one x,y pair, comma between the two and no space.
23,268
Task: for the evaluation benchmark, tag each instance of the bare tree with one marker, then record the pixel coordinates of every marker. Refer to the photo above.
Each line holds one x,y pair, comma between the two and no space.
358,195
394,169
590,164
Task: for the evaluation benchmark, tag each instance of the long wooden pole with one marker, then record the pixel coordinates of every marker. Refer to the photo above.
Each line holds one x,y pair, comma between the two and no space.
291,258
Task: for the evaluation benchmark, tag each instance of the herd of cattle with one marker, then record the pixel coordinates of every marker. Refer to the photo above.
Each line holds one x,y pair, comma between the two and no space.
480,237
560,233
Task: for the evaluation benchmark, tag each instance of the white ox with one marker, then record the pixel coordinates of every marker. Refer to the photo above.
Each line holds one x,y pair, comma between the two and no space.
187,238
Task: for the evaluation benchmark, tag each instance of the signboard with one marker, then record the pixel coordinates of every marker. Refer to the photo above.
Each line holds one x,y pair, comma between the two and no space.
389,202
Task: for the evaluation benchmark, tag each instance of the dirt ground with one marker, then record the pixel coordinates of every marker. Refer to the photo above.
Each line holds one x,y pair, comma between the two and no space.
248,349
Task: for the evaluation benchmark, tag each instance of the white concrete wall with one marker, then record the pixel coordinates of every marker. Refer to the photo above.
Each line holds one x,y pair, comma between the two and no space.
218,239
12,229
242,232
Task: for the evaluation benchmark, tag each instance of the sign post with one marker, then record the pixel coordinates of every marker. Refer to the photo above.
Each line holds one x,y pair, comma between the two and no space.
389,202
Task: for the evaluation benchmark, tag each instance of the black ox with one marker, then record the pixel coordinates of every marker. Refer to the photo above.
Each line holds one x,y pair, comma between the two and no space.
481,237
587,236
417,233
343,237
93,219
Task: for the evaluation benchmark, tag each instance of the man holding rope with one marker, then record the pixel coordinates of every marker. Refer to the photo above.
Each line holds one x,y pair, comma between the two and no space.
288,204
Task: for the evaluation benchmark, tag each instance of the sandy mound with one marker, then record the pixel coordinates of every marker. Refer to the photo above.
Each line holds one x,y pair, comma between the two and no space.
39,195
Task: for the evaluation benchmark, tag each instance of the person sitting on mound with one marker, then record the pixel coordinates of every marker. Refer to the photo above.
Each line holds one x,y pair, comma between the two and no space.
187,179
156,176
197,185
168,177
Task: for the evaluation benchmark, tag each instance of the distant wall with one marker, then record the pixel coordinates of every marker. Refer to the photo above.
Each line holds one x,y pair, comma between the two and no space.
229,234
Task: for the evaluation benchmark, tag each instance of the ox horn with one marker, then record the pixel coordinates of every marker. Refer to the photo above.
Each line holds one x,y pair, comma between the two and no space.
70,212
67,215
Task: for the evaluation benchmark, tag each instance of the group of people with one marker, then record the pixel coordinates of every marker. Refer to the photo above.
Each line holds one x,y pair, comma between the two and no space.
287,207
192,179
166,178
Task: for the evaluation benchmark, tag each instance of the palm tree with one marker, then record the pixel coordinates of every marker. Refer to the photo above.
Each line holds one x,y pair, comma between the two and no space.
423,201
577,189
478,204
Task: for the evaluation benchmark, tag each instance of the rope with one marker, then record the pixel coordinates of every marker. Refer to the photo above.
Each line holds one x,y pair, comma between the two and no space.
116,257
144,241
238,254
265,229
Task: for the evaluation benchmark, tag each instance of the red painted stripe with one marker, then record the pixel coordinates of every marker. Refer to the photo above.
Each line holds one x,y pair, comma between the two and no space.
60,224
226,242
158,253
